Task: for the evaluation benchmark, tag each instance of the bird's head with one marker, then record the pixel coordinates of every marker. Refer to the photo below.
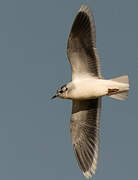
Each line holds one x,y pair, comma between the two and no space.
62,92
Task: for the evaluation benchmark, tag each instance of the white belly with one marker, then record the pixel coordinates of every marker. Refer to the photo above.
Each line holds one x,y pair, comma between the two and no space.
88,89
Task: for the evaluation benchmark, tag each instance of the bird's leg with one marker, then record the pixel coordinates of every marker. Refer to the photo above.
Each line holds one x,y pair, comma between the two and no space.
112,91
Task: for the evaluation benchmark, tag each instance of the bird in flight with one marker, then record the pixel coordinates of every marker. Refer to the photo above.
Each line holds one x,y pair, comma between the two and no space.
86,90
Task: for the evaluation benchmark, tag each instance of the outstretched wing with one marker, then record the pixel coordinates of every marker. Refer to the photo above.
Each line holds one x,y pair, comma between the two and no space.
84,129
81,48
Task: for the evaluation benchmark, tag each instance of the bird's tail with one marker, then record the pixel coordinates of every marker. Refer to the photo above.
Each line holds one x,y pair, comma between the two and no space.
122,94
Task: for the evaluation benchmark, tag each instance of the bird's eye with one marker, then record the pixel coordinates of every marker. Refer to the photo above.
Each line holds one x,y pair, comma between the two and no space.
61,91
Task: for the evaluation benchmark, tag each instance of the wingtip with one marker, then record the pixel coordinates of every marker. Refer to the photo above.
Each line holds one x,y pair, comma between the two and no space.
83,8
87,174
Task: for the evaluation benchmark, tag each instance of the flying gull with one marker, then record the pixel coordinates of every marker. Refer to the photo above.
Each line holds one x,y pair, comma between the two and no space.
86,90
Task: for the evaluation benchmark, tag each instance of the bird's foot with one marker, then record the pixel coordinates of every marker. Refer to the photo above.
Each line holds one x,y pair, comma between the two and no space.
112,91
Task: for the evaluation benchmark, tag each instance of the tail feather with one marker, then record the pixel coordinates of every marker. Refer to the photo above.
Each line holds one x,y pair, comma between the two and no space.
122,95
122,79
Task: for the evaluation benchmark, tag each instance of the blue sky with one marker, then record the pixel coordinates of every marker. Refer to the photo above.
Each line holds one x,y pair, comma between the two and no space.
34,131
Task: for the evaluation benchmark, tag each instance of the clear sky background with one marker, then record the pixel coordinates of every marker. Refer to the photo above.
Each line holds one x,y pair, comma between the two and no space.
35,139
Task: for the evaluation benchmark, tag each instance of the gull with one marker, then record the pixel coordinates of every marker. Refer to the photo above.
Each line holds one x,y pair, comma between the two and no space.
86,90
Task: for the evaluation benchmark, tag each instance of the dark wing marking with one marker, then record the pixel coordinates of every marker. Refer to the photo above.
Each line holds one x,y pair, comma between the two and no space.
81,48
84,129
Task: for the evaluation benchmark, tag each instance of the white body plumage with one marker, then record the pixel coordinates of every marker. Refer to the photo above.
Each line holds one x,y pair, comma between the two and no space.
90,88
